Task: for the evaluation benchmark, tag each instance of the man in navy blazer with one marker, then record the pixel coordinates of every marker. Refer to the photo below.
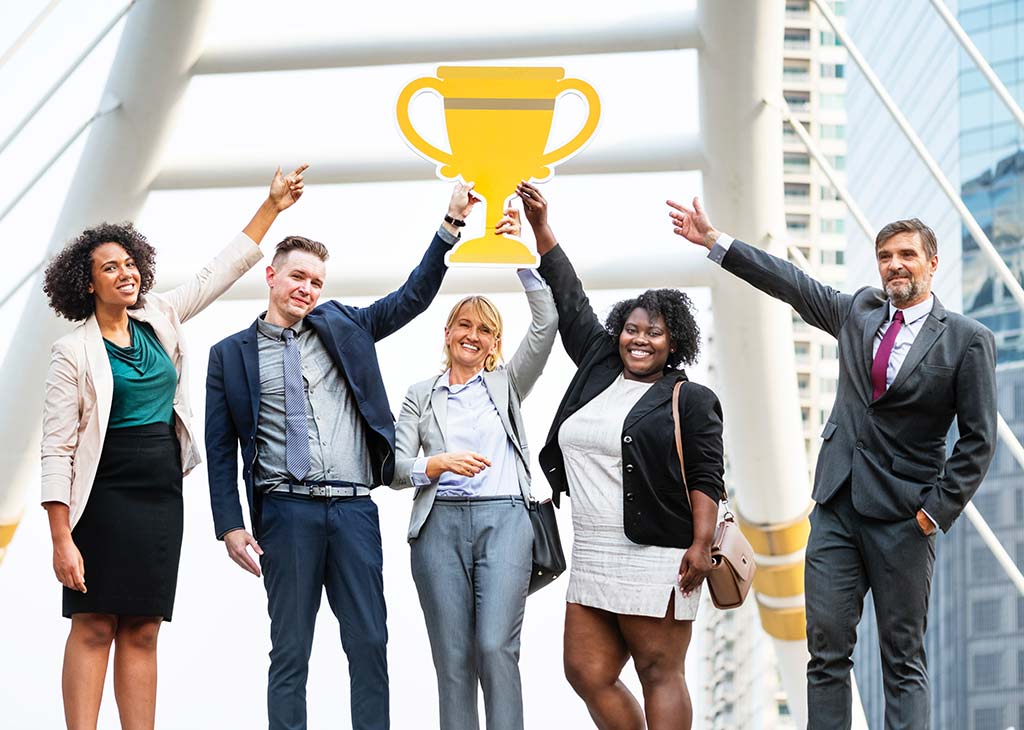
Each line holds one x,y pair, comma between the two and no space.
300,393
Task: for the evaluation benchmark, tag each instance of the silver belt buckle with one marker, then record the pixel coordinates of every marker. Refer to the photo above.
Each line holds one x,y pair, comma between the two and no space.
319,491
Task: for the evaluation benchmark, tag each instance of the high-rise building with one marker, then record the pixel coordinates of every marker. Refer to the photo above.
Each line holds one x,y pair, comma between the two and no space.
976,621
740,683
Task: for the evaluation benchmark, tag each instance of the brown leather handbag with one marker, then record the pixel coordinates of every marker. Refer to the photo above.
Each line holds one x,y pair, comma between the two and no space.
732,557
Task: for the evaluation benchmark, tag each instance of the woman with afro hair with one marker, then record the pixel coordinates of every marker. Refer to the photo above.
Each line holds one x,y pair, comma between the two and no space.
640,551
116,444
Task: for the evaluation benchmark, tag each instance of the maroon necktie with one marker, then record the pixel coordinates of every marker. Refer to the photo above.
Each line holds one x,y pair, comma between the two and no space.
881,362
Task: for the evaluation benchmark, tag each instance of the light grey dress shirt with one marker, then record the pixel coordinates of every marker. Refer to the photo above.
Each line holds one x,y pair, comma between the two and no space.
337,436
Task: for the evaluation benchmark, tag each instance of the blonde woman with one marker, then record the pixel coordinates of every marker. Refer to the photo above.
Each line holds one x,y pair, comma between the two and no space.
470,533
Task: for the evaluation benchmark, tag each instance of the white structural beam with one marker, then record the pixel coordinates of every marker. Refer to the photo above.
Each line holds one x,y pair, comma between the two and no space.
79,131
27,33
64,77
979,60
627,272
150,72
664,155
740,65
977,233
659,32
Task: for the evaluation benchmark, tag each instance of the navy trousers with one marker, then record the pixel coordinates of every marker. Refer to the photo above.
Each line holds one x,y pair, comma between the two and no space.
309,545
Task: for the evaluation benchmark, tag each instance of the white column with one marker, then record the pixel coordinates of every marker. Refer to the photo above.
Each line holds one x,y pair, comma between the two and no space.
741,66
159,45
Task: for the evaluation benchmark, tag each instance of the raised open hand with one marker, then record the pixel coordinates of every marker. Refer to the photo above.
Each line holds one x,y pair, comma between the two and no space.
692,223
286,189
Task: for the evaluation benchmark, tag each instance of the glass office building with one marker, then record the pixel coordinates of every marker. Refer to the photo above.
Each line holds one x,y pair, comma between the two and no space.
976,622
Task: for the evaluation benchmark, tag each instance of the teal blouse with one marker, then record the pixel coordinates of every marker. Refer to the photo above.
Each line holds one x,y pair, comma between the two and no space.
144,380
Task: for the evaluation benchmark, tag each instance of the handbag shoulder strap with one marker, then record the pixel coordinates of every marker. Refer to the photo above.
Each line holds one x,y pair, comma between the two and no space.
679,442
679,437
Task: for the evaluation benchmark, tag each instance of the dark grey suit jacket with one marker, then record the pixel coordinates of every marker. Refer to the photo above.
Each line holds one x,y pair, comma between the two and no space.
893,450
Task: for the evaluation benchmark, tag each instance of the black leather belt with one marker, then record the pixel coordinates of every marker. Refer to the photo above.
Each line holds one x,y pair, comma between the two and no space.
322,490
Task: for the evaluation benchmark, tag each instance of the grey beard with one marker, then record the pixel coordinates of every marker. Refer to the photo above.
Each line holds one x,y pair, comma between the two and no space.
901,295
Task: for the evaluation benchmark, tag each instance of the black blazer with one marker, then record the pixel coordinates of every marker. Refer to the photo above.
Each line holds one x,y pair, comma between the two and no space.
655,508
349,334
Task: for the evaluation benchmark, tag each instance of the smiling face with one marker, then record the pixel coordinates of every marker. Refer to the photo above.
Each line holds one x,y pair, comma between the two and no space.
295,286
115,277
644,346
472,336
905,269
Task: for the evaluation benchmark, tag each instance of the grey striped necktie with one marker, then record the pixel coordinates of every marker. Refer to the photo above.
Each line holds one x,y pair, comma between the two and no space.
296,431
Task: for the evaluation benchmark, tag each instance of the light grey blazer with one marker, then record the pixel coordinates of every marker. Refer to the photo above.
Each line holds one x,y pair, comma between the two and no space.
422,423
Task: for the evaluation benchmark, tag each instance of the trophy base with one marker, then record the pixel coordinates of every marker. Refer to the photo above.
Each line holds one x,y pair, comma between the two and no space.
493,250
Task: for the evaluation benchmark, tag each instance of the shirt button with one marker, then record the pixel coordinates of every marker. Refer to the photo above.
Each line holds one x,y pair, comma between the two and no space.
627,440
629,468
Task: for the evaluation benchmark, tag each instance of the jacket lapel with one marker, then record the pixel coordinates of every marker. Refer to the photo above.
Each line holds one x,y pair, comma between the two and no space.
931,330
655,396
99,368
251,365
497,386
439,406
162,327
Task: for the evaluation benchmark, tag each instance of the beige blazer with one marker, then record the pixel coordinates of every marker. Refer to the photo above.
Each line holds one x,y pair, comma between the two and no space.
80,385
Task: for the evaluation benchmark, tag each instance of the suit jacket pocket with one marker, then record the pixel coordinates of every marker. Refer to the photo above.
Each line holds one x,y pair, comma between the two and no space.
830,428
917,472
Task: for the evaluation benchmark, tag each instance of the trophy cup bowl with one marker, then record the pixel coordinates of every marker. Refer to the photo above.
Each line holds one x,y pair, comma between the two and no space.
498,120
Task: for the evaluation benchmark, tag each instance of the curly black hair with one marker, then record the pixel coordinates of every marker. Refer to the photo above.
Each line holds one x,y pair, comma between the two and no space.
677,310
69,274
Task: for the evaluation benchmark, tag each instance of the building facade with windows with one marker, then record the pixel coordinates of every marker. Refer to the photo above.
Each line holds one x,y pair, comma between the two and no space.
976,621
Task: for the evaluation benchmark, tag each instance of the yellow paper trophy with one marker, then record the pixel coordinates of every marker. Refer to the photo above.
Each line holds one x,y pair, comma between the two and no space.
498,120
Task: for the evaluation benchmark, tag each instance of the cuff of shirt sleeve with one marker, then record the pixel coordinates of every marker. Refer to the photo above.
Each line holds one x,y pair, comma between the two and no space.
931,518
531,280
445,235
721,248
419,472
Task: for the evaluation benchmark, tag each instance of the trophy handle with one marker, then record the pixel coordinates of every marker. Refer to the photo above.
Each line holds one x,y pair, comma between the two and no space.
409,132
594,113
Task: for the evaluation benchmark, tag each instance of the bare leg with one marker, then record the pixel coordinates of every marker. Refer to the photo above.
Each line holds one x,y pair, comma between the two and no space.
658,646
594,654
135,671
85,668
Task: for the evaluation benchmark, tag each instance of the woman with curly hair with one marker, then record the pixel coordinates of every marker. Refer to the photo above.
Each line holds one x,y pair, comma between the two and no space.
116,443
640,552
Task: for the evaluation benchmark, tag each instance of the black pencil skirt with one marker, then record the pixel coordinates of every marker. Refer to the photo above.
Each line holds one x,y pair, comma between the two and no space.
130,532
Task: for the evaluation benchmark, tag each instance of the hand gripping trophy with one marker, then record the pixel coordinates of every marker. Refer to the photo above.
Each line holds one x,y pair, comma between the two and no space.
498,120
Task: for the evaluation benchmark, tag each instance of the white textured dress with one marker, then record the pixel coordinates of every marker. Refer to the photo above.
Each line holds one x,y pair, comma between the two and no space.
608,570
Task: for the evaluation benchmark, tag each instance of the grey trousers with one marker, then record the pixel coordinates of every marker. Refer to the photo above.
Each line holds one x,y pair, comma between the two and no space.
847,555
471,564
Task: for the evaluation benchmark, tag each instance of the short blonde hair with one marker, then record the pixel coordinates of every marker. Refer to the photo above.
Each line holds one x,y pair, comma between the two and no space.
483,308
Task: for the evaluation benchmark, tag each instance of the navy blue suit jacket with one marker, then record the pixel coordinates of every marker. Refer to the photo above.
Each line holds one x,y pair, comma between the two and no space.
349,334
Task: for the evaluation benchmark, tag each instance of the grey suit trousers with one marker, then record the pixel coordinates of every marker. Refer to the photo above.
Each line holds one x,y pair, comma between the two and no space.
847,555
471,564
